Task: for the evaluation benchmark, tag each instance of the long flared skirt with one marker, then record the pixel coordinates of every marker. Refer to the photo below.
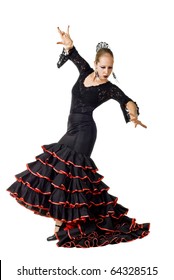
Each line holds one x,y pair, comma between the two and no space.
63,183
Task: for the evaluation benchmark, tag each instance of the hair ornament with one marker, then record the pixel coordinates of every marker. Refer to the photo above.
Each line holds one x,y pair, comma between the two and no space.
102,45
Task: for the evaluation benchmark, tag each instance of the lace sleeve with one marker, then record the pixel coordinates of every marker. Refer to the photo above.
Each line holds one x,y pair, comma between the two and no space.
117,94
74,56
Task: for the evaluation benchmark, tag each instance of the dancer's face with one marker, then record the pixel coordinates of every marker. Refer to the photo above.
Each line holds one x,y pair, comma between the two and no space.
104,66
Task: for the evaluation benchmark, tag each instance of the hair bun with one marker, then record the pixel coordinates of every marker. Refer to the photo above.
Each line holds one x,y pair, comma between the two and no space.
102,45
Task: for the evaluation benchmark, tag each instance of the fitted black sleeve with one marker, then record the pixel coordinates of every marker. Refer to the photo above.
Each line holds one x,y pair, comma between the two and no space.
117,94
74,56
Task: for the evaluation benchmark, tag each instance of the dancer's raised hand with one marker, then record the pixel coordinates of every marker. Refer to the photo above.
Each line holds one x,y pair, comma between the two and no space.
66,39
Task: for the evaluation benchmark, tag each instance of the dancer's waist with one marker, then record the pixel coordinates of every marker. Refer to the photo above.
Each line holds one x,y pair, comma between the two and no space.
80,117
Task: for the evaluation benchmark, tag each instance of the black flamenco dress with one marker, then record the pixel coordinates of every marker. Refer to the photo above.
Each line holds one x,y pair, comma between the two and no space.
63,182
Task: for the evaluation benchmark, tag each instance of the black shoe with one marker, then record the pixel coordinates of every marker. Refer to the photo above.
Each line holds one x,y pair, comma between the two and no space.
52,238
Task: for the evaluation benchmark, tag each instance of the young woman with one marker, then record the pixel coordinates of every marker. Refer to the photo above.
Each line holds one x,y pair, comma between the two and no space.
63,182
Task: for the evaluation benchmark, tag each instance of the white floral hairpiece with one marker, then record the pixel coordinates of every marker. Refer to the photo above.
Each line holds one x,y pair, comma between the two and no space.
102,45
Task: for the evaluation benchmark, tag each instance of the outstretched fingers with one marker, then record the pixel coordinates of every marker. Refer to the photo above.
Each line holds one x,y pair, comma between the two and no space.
63,35
60,31
68,29
136,121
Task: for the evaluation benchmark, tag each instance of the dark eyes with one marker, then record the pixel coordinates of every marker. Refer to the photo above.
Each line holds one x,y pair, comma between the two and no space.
103,67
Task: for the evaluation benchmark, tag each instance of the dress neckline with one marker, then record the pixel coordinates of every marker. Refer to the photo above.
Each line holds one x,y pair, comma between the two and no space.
93,85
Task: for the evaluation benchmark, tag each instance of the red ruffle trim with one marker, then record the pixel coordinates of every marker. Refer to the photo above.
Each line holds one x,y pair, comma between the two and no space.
96,239
64,173
62,187
68,162
66,203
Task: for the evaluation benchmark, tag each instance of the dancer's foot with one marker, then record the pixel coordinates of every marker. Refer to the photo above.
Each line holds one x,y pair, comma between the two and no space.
53,237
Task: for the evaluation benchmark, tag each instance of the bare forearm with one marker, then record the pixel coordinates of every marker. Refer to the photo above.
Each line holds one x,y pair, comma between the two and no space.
132,108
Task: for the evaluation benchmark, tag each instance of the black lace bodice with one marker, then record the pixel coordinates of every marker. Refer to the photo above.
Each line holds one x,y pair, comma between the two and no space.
86,99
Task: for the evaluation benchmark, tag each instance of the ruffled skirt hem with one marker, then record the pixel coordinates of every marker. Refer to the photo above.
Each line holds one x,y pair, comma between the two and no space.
65,185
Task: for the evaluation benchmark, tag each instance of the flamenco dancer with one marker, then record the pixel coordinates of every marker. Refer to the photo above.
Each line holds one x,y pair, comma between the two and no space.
63,182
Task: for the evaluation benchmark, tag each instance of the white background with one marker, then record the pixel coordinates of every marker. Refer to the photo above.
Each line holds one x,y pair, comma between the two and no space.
35,99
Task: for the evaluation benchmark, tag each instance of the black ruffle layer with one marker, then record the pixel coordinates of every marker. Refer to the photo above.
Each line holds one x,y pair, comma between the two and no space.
65,185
